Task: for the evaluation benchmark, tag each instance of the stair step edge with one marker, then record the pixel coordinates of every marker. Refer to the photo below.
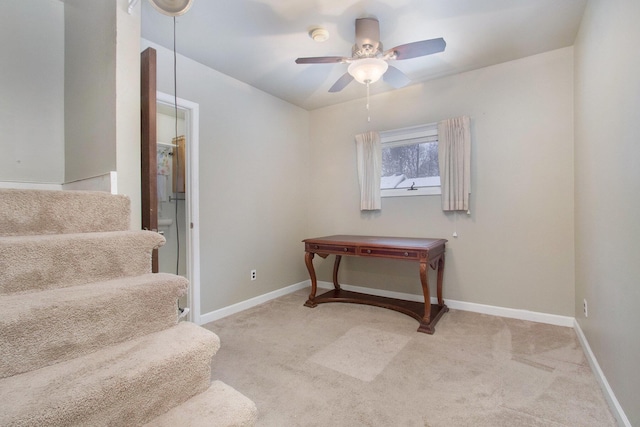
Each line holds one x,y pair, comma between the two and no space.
42,328
45,262
219,406
126,384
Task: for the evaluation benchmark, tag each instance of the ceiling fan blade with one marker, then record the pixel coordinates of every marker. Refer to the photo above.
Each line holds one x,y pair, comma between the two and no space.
341,83
395,77
368,33
321,60
415,49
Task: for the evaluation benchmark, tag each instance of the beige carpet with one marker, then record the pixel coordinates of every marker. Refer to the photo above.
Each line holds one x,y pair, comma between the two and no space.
88,335
353,365
362,352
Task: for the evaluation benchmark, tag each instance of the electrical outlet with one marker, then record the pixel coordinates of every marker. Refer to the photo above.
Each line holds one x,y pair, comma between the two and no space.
585,307
253,275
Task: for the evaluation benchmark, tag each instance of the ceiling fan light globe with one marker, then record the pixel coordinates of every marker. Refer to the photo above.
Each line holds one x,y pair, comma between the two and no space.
367,70
171,7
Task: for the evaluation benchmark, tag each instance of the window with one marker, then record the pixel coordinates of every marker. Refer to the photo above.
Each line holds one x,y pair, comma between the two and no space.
410,161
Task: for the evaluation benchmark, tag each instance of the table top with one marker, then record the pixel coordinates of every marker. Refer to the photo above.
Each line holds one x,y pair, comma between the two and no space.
379,241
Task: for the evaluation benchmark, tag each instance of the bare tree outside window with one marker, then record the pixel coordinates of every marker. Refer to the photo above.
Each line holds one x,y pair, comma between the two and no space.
412,161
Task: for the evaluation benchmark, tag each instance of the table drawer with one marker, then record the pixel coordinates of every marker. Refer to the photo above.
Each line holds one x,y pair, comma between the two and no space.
390,253
330,249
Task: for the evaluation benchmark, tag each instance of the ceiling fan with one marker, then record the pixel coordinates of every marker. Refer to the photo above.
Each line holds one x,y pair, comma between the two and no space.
368,61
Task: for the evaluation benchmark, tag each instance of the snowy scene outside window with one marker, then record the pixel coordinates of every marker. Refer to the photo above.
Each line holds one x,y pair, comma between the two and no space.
415,164
410,161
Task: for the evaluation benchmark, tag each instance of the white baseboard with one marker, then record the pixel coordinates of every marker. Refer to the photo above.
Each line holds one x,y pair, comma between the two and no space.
244,305
30,185
512,313
105,182
609,395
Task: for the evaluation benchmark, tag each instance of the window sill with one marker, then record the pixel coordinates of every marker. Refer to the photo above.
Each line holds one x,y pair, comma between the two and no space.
404,192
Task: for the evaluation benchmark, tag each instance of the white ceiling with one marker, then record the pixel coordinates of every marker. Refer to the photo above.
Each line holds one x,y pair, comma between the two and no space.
257,41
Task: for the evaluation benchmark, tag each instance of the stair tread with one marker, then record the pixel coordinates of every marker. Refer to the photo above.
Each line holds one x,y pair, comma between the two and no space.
88,336
41,328
219,406
134,381
40,262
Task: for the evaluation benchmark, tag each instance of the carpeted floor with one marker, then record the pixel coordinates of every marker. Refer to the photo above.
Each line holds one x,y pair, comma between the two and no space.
353,365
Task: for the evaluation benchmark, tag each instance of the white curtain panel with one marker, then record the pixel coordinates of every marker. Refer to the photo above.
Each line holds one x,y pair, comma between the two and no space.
454,157
369,157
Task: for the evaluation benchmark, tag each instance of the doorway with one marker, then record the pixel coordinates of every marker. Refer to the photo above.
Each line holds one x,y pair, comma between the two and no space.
177,188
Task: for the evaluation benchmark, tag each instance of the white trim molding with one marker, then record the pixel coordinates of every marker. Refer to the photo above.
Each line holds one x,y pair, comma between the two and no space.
533,316
30,185
609,395
106,182
512,313
192,205
245,305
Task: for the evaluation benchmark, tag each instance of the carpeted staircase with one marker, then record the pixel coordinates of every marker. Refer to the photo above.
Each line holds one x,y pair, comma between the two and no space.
88,335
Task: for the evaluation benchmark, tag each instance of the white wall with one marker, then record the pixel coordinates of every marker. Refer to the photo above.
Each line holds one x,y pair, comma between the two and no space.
254,162
607,193
127,107
90,88
62,124
102,95
32,87
516,248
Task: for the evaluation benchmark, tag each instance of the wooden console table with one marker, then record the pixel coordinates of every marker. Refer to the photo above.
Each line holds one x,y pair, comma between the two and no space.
428,252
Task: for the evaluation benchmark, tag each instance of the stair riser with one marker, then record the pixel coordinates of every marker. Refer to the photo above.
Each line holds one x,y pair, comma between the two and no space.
220,405
25,212
127,384
44,328
88,337
169,388
44,262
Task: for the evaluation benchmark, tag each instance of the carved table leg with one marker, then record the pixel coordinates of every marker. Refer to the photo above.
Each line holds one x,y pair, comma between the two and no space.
308,260
440,274
425,323
336,265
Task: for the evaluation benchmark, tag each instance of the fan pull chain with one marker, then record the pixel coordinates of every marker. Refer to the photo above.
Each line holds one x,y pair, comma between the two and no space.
368,114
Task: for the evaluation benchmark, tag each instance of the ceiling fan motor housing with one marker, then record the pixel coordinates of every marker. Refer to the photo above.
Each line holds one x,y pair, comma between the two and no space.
367,38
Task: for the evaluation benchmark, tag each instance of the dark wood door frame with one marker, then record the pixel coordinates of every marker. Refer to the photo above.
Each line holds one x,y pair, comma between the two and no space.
148,141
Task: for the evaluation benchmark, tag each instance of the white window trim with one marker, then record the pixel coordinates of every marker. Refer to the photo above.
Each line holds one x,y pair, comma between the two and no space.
397,136
403,192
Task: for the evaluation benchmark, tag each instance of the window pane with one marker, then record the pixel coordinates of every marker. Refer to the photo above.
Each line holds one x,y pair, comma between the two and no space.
409,162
